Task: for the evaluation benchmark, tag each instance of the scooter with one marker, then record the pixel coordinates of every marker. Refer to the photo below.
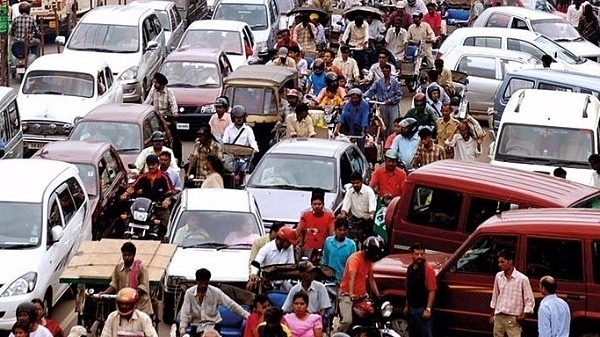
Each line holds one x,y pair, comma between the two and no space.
22,58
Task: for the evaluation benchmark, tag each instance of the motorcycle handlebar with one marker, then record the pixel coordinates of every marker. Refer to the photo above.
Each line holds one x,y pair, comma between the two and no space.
102,296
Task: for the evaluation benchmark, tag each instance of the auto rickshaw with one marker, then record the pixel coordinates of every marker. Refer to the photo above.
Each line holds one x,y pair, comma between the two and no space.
261,90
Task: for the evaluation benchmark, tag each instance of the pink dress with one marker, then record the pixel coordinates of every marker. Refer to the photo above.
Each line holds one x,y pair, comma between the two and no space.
303,327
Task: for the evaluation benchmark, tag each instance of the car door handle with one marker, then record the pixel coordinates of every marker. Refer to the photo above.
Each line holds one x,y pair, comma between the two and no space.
573,297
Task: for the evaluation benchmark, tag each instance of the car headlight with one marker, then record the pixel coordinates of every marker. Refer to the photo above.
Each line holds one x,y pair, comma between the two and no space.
52,129
25,126
21,286
129,74
386,309
208,109
262,47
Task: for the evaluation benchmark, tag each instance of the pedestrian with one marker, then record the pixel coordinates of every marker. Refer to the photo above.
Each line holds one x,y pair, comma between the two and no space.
445,127
315,224
594,161
420,293
554,315
388,180
50,324
574,13
560,173
512,297
466,147
387,90
476,10
588,25
427,152
337,249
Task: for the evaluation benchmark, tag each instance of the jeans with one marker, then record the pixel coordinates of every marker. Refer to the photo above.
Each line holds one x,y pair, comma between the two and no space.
417,326
388,114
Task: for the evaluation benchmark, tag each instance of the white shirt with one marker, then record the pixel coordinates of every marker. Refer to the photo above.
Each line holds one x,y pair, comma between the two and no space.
573,15
463,150
375,72
396,42
318,298
246,138
349,68
140,162
41,331
596,179
419,5
376,27
359,36
269,255
302,67
360,203
352,3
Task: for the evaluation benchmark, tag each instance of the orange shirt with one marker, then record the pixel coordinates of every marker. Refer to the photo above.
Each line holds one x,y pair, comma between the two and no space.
317,228
388,182
357,263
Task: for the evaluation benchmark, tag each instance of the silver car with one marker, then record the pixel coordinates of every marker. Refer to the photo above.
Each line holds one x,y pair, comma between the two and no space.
486,68
170,20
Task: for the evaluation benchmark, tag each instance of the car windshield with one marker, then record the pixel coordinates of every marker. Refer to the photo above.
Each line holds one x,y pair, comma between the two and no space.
555,29
285,6
191,74
87,173
64,83
105,38
257,101
214,229
125,137
20,225
254,15
294,172
227,41
165,22
555,50
545,145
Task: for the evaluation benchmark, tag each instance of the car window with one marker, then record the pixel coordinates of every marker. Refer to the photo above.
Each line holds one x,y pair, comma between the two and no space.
551,86
54,216
488,42
596,261
478,66
249,34
435,207
14,123
156,24
150,29
67,204
3,128
147,132
515,84
526,47
76,191
480,256
105,178
155,122
112,166
345,169
109,77
498,20
519,24
356,161
591,92
177,16
225,67
481,209
101,83
560,258
173,20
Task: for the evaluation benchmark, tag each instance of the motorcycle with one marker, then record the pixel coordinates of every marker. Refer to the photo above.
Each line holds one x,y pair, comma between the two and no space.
23,55
372,318
142,222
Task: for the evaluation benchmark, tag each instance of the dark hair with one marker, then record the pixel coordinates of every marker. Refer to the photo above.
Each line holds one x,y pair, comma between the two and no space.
506,254
382,52
20,325
359,19
431,4
330,52
594,158
424,133
317,194
356,176
272,327
398,120
339,223
549,284
302,295
344,49
128,247
165,154
416,246
38,301
547,60
216,164
161,79
301,107
560,172
293,49
276,226
438,63
259,299
386,66
281,31
203,274
433,75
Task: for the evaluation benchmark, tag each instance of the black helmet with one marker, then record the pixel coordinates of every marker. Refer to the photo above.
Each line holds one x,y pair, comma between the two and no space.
221,102
157,136
409,126
238,111
374,248
28,308
331,78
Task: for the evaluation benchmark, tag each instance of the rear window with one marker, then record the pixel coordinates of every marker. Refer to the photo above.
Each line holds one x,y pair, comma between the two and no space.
515,84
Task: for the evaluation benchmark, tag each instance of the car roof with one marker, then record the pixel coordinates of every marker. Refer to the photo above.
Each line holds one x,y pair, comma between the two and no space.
217,25
74,151
24,180
310,147
194,55
261,72
68,62
582,80
577,223
522,12
159,5
119,112
485,51
218,200
483,178
120,15
494,32
524,108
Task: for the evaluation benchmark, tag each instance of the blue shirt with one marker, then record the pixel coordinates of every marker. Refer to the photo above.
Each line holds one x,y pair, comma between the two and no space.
336,253
406,148
355,118
317,81
554,317
384,91
174,177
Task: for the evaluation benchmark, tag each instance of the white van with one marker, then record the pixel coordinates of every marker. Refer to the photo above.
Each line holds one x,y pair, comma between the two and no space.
11,133
542,130
44,209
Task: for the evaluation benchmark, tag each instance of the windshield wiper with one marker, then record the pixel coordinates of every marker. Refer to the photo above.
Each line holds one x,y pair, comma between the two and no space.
258,27
14,245
567,163
235,245
234,53
212,244
51,92
98,49
283,187
564,39
182,85
127,150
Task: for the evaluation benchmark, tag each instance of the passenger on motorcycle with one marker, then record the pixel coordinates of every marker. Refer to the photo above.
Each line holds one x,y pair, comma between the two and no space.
331,85
158,146
388,180
359,206
358,272
200,306
205,145
444,77
420,33
221,119
301,322
300,124
407,142
318,298
396,40
378,47
354,119
27,314
165,159
278,251
133,274
127,320
24,26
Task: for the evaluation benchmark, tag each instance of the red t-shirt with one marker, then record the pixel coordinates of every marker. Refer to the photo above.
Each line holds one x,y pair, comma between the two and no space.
389,141
435,21
391,183
251,325
317,228
356,263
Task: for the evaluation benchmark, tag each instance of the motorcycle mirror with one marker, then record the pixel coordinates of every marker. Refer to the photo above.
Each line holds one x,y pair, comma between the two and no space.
131,166
60,40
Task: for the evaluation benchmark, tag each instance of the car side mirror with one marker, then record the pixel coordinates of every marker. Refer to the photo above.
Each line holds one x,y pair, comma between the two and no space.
60,40
56,233
132,166
152,45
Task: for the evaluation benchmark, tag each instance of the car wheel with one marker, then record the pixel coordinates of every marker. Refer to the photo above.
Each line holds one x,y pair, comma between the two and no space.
48,302
168,307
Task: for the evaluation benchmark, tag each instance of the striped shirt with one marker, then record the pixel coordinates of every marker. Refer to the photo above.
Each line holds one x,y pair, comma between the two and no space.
512,295
426,155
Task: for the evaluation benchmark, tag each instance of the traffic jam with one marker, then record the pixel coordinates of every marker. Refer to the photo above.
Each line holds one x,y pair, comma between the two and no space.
271,168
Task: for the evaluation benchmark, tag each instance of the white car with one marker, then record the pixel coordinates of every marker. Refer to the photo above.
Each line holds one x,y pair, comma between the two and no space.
486,68
58,88
213,229
547,24
233,37
170,20
45,218
519,40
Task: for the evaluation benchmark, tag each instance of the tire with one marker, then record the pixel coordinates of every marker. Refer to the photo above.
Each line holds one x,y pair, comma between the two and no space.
168,308
400,326
96,329
48,302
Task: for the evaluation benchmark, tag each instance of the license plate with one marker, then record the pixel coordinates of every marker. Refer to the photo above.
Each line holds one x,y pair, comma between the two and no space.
31,145
20,70
183,126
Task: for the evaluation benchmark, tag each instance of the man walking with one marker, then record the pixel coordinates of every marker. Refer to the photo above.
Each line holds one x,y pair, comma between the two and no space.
512,297
420,293
554,316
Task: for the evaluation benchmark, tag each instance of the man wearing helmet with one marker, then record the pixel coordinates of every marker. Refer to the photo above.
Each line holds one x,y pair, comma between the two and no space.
278,251
219,121
239,132
354,119
27,314
407,142
158,146
127,320
357,274
420,33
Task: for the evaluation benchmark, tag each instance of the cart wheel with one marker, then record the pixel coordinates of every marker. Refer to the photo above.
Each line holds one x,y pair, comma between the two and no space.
96,329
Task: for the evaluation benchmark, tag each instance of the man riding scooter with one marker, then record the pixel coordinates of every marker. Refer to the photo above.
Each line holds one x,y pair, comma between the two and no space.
25,36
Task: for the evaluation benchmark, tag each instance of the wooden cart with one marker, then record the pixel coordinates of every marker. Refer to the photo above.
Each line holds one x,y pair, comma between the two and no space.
94,262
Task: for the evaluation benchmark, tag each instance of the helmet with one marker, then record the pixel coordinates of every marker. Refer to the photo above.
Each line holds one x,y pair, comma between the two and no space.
126,301
331,78
221,102
416,13
28,308
374,248
238,111
319,63
288,234
157,136
420,98
409,126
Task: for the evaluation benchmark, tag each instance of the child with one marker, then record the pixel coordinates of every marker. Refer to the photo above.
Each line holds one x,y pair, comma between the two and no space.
331,99
20,329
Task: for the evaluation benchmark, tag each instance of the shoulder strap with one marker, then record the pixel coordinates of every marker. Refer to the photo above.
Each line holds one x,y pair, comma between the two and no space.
238,135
